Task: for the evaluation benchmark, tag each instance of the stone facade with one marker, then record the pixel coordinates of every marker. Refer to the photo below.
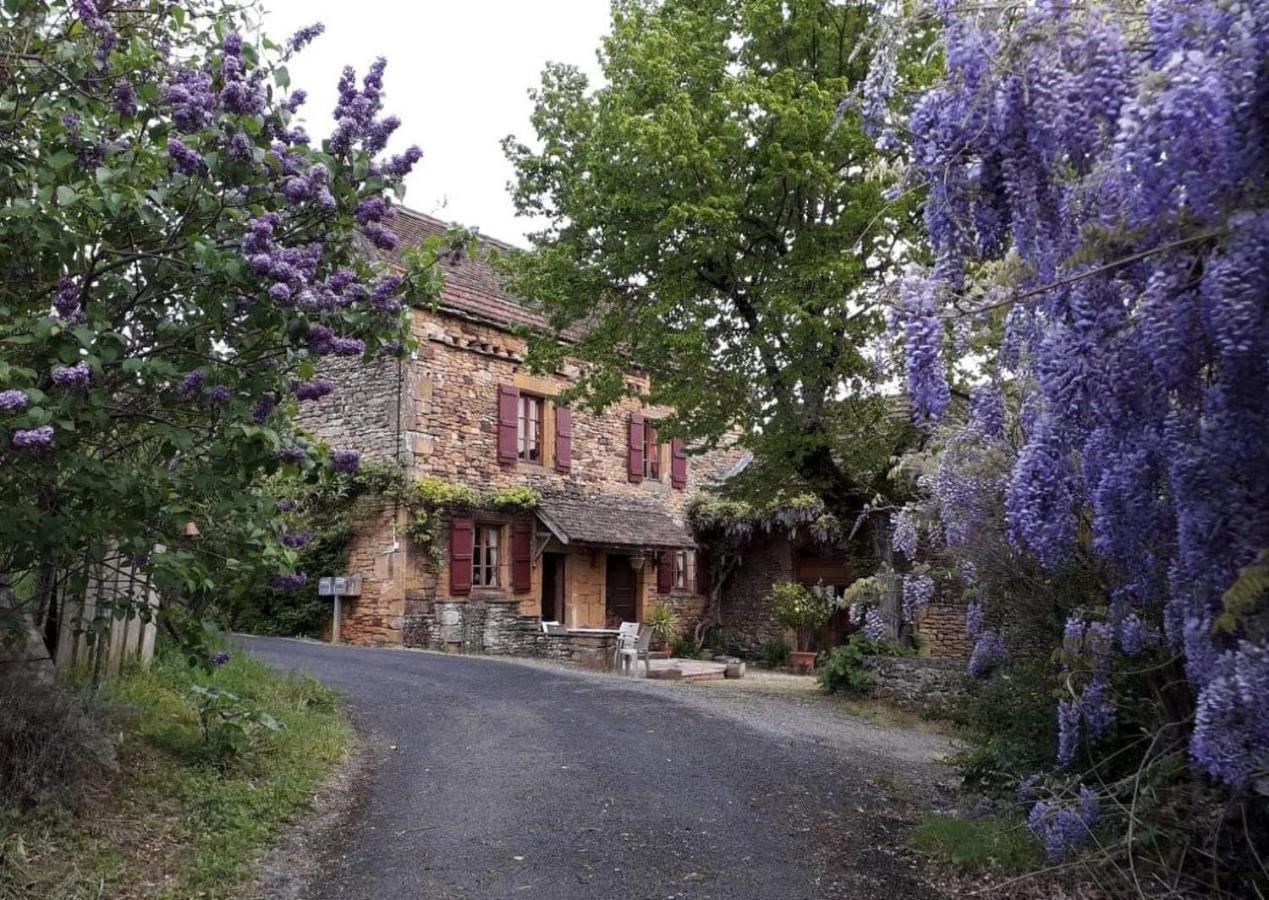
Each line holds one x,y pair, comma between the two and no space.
745,610
436,414
930,684
941,626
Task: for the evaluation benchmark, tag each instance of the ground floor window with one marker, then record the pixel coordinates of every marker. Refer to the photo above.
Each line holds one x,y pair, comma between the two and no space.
684,563
484,557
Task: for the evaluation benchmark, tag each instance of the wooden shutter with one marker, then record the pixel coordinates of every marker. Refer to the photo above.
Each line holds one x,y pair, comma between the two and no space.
563,439
634,449
665,571
654,464
678,464
702,572
522,557
508,415
460,546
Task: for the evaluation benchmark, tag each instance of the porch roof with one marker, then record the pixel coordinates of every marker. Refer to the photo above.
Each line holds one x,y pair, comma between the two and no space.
611,520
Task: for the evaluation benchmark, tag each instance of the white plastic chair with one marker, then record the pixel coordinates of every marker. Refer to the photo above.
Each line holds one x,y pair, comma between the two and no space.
636,650
627,635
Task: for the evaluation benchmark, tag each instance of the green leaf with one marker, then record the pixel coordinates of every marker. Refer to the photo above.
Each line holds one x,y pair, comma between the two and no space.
66,196
282,77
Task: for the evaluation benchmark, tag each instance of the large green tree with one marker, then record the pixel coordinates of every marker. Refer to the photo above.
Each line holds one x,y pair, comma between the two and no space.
715,218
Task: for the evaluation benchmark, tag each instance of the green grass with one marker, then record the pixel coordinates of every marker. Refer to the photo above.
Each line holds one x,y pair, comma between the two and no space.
179,821
988,844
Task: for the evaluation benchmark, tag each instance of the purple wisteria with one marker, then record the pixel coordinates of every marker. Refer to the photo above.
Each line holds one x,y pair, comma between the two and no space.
72,378
346,461
989,652
33,438
1064,827
314,390
13,400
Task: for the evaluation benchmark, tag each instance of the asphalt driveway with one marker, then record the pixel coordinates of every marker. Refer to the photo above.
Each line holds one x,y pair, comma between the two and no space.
490,778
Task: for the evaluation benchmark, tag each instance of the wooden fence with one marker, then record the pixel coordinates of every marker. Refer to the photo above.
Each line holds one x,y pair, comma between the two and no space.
106,617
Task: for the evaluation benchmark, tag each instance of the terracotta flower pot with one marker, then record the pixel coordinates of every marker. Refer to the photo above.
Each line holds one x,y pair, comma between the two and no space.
802,661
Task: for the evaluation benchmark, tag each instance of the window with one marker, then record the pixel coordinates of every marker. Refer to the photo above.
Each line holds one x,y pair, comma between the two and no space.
529,430
484,557
651,453
682,562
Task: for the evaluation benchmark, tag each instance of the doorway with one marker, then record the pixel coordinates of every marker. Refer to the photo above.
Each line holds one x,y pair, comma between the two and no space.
620,584
553,608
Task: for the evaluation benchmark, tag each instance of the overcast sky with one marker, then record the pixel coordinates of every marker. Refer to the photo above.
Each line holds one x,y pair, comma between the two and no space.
457,76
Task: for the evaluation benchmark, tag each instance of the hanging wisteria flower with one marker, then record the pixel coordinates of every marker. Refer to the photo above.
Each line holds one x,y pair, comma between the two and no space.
974,620
72,378
989,652
297,538
305,36
1063,828
13,400
33,438
923,341
874,626
1068,714
918,590
906,535
1231,731
347,461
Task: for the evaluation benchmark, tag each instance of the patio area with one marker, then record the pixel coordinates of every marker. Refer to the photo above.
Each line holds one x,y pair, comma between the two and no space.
692,669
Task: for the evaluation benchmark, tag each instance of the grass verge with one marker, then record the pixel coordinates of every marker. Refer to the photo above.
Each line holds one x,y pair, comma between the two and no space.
179,820
989,844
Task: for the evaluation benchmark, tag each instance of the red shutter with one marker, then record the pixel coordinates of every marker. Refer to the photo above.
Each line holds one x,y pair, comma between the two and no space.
563,439
508,415
634,449
460,540
665,571
678,464
702,572
654,464
522,557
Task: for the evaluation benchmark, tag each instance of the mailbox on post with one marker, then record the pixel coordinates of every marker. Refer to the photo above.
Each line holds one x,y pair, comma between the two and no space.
337,587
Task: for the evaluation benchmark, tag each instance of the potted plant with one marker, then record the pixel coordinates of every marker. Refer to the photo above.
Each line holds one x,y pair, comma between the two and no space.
664,622
802,609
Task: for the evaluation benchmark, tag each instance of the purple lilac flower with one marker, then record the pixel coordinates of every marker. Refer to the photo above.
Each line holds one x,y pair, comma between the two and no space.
347,461
382,237
232,44
297,538
400,166
66,302
305,36
220,394
187,161
286,505
989,652
13,400
191,98
125,99
90,16
290,582
191,386
33,438
295,101
219,658
341,346
262,408
314,390
72,378
371,209
292,455
390,348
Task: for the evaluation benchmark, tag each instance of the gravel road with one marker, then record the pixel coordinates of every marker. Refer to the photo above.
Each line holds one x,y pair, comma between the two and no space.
489,778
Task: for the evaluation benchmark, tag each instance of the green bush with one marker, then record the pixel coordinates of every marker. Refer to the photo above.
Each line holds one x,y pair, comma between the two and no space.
774,653
664,622
843,669
801,608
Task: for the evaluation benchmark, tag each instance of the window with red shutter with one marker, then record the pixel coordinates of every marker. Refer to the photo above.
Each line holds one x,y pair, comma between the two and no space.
508,424
460,547
563,439
522,557
634,449
678,464
651,452
665,571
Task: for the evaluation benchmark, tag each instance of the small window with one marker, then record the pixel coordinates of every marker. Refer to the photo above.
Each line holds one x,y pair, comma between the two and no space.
651,453
529,430
484,557
682,562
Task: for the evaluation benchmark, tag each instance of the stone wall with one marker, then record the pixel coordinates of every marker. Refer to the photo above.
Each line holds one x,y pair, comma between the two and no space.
745,610
919,682
941,626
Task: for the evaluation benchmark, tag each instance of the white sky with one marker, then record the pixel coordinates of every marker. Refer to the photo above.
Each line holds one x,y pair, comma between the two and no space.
458,75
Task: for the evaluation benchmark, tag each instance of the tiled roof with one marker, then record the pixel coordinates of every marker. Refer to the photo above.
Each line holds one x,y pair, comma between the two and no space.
473,286
610,520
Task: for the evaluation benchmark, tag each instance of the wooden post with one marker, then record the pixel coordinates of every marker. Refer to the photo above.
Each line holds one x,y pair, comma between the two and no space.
334,628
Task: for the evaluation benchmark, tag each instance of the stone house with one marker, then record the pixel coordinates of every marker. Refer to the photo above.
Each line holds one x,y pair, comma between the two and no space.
607,540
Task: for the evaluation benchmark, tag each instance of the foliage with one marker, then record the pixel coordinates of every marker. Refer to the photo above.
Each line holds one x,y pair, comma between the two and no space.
429,500
774,653
231,726
995,843
801,608
177,256
514,498
55,744
683,647
842,668
714,218
172,807
664,622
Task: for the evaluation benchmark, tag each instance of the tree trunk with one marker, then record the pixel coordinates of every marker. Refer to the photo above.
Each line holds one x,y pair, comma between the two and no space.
21,646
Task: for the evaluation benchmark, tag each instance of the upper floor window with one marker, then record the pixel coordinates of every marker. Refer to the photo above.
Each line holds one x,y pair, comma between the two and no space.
529,430
484,557
651,453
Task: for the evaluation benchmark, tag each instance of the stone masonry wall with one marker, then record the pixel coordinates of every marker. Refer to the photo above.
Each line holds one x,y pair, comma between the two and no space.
941,626
746,613
916,681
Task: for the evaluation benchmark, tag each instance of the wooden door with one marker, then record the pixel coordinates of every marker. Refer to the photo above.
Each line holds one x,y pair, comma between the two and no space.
620,583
